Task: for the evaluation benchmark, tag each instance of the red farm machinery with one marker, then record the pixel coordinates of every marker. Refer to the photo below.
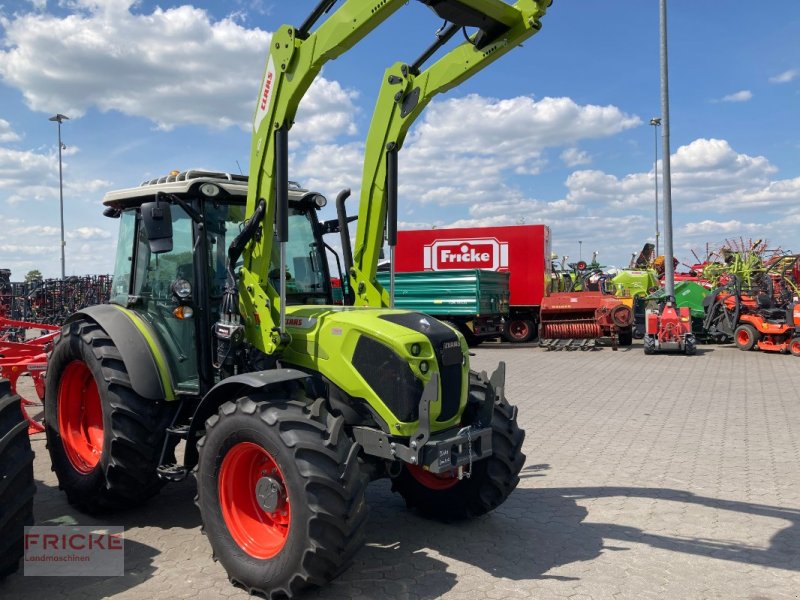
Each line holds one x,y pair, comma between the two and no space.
575,320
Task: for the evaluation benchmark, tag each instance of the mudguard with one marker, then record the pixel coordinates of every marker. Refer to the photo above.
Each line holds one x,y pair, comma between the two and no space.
143,359
229,389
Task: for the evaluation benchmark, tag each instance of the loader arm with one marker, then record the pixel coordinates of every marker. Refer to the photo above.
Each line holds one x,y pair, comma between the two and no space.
295,59
403,95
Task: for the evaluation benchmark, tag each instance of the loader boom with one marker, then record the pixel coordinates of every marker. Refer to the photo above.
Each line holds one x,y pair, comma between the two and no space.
295,59
403,95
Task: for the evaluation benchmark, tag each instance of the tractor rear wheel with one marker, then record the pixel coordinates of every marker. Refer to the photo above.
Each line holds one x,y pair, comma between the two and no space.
281,494
104,439
745,337
518,331
491,480
16,480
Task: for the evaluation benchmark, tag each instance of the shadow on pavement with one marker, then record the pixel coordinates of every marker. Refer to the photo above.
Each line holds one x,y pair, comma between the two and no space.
535,531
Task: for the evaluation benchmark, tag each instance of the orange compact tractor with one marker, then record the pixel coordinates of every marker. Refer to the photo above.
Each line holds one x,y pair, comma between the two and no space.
771,330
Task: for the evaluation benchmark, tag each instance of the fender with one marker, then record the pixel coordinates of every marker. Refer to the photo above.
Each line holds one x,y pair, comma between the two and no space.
143,358
227,389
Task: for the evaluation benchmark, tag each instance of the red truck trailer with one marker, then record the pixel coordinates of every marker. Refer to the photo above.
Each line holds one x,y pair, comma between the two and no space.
522,250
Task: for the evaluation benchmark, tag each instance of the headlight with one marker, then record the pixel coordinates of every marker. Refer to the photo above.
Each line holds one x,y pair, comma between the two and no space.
182,289
209,190
423,367
415,349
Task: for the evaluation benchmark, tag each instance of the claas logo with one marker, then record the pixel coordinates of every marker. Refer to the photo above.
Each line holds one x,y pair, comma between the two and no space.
444,255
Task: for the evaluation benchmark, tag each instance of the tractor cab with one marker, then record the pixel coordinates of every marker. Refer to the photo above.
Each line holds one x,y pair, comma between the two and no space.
170,267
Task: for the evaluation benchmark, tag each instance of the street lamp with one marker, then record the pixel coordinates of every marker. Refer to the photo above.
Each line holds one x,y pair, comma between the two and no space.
580,250
655,122
59,118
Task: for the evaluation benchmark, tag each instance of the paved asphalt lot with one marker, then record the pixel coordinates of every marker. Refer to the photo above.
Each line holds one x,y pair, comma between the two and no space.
646,477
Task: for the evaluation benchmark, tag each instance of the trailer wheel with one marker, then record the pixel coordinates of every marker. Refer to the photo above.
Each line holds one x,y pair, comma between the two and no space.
794,346
745,336
518,331
491,481
649,343
104,439
16,480
281,494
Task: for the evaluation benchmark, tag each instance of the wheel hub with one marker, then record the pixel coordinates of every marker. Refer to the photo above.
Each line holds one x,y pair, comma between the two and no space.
269,494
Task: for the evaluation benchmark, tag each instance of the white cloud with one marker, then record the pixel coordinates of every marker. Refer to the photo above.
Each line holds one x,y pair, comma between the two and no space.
174,67
740,96
35,230
88,233
785,77
464,148
573,157
718,229
6,133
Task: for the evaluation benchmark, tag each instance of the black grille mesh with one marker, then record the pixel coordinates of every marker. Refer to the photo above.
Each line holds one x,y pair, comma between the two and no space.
439,335
390,377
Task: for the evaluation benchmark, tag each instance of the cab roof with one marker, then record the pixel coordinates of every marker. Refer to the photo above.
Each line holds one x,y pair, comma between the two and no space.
186,183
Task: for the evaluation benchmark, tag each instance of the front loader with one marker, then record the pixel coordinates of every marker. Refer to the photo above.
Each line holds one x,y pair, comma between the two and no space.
222,334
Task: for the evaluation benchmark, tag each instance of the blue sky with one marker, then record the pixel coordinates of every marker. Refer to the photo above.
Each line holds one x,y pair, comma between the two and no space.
556,132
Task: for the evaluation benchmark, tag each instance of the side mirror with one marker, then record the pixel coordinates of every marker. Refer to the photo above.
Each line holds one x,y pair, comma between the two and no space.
157,221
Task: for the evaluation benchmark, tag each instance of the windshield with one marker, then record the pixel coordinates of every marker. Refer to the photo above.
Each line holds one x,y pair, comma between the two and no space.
306,272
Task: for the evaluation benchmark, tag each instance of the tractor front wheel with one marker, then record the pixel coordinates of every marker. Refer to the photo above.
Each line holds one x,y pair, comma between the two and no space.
281,494
16,480
745,337
794,346
649,343
491,480
104,439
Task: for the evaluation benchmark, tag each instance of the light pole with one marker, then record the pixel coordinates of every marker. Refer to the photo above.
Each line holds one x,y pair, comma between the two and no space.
669,268
59,118
580,250
655,122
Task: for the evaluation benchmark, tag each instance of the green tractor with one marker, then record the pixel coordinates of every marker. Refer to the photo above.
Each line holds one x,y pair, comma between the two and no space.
222,339
16,480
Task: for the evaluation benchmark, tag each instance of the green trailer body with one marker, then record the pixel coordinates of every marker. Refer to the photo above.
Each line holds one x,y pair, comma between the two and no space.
474,300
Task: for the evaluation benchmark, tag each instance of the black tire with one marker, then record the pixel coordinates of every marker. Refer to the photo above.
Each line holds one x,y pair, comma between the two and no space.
133,428
473,340
745,337
519,331
318,465
689,345
16,480
491,480
649,343
626,336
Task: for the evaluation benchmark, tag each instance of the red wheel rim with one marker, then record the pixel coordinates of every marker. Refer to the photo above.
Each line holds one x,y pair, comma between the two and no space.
519,329
794,347
259,533
80,417
743,337
433,481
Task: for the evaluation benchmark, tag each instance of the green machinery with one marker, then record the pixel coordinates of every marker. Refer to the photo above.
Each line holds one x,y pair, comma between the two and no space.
474,301
222,339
